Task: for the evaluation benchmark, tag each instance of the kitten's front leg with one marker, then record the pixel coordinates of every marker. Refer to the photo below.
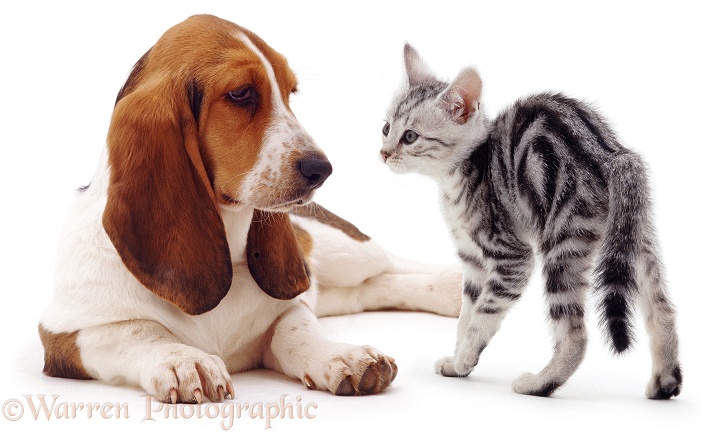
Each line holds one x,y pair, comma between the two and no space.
484,307
471,340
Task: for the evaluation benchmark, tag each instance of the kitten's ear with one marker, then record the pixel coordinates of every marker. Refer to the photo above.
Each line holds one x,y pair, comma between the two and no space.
462,97
416,69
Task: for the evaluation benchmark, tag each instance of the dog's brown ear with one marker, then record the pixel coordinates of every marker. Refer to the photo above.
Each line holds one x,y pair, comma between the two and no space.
274,257
161,214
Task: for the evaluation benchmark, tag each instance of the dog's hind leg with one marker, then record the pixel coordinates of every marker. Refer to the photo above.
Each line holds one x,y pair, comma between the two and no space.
436,290
356,274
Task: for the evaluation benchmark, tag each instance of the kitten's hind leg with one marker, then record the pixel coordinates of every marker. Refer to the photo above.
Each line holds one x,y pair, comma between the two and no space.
566,281
487,297
666,380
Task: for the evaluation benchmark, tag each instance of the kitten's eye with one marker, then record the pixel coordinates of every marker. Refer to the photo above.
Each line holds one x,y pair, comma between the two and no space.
409,136
386,128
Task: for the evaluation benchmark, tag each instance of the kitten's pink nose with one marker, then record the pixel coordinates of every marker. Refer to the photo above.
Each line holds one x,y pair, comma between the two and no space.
385,155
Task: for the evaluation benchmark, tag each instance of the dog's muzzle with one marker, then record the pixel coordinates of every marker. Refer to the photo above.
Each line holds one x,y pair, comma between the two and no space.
315,170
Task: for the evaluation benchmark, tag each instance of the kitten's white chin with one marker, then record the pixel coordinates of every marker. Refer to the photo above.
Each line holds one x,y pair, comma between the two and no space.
398,169
396,166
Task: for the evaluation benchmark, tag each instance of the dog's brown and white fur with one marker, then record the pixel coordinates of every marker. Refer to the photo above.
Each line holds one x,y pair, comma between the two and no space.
179,263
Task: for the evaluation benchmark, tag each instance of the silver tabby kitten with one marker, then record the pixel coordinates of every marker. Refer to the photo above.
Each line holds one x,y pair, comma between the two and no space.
547,177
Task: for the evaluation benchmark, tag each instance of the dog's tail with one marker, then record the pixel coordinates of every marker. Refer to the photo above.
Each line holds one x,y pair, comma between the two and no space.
616,273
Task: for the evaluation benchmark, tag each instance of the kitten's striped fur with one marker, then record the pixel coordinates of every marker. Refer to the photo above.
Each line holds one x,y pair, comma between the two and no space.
546,178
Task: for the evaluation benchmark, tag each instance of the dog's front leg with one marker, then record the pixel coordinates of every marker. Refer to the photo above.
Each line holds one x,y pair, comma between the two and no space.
144,353
300,349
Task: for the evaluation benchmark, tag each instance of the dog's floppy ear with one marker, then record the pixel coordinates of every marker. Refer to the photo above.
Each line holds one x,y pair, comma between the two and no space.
274,257
161,213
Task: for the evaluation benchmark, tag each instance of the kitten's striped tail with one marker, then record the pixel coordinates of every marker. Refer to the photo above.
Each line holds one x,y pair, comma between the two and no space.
616,276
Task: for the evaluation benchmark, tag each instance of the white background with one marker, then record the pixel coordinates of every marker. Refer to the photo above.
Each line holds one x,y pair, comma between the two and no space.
644,64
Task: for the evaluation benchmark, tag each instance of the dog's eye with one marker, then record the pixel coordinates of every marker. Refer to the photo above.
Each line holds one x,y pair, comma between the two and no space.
245,96
240,95
386,128
409,136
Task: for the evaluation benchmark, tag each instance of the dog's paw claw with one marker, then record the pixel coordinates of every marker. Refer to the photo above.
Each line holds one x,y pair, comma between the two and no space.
353,371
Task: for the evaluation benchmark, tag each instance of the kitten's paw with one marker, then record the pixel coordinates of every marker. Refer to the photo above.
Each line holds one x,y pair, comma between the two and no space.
535,384
665,385
449,367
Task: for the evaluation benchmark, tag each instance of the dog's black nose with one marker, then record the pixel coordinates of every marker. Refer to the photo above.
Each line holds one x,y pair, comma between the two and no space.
315,170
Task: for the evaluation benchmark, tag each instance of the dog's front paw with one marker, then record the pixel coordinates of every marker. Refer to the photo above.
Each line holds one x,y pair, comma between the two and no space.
187,375
352,370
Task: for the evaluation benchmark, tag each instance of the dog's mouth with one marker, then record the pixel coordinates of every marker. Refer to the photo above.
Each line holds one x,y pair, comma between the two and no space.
229,200
274,207
290,205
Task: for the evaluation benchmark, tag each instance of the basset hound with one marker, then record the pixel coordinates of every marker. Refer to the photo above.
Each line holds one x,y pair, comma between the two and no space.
196,252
